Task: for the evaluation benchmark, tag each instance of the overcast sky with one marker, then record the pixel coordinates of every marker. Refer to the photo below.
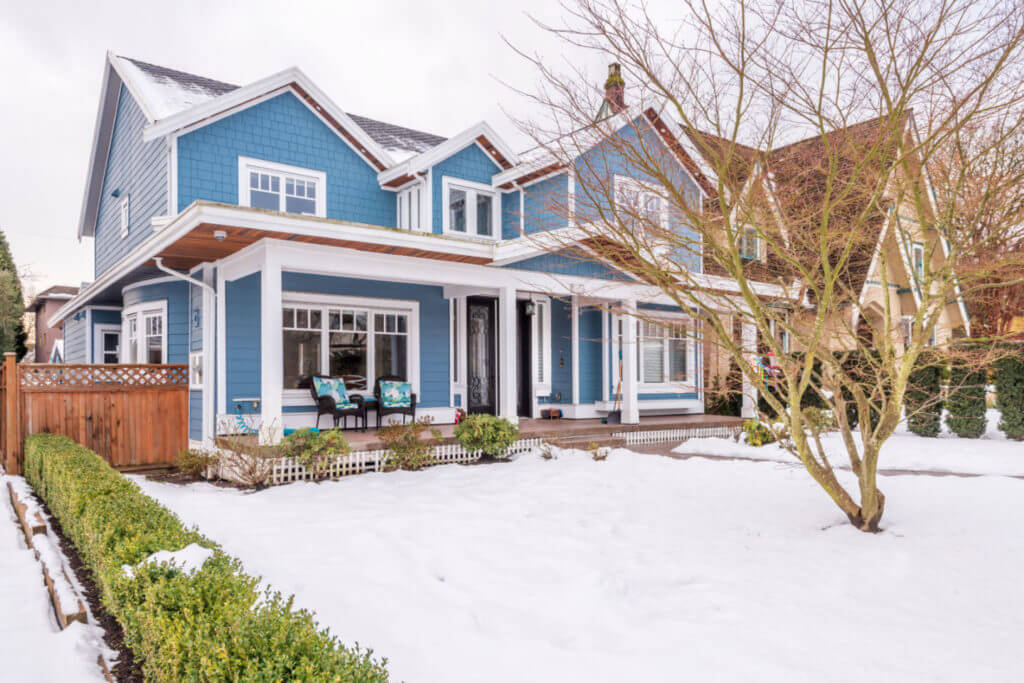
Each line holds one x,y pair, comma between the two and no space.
437,67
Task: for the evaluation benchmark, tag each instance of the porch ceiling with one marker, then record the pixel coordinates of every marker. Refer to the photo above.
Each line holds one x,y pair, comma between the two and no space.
200,246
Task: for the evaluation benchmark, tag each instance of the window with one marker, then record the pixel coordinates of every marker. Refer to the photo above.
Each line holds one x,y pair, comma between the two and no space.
470,208
640,203
663,354
111,347
195,370
410,215
918,255
277,187
358,344
144,329
542,346
749,244
125,216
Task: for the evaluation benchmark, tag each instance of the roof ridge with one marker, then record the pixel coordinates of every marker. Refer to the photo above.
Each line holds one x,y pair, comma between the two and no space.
178,72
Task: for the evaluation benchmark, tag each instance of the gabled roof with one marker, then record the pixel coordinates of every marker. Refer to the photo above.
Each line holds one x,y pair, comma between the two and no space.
401,142
480,133
56,292
162,92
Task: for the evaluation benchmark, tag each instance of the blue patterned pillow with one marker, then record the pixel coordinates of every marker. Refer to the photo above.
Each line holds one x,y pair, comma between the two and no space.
395,394
334,388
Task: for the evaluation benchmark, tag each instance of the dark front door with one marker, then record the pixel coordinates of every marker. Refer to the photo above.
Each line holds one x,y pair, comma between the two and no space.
524,356
482,360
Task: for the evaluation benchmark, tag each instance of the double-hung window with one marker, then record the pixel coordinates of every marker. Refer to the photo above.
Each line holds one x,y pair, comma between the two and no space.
144,329
279,187
470,208
542,346
749,244
640,204
917,252
664,353
356,343
410,208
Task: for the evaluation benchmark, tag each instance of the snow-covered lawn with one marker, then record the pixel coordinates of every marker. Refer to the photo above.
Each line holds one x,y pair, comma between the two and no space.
640,568
32,646
991,454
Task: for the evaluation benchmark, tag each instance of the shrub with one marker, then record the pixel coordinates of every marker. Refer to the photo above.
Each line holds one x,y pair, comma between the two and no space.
315,450
487,433
1009,381
196,463
724,396
811,397
819,419
966,400
758,433
408,450
923,398
214,624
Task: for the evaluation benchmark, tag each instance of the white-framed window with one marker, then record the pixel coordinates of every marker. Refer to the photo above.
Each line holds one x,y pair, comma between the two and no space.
470,209
356,342
410,208
749,243
665,353
279,187
780,333
195,370
144,329
541,346
917,255
640,203
126,215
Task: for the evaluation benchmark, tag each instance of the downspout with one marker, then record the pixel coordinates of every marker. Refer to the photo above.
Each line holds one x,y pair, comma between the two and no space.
158,260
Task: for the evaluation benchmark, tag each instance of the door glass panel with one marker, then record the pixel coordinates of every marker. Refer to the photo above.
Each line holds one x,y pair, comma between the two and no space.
480,344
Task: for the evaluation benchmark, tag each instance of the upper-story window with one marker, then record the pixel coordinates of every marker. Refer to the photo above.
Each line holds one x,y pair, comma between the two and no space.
125,215
749,243
918,255
410,208
278,187
640,203
469,208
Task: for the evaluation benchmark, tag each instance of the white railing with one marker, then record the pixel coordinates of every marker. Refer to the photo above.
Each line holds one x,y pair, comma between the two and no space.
636,438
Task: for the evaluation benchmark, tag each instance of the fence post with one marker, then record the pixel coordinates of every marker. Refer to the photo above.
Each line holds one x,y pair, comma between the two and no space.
12,410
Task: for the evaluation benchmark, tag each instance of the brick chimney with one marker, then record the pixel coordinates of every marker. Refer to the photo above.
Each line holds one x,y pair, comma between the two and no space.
614,88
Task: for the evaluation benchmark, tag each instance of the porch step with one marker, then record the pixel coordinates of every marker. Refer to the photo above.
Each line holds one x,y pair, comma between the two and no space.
585,442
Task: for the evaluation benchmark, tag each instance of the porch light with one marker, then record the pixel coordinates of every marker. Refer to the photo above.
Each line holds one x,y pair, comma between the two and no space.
531,309
220,235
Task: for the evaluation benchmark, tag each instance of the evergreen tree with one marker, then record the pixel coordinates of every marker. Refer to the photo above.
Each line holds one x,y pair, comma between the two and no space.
12,305
1009,381
923,401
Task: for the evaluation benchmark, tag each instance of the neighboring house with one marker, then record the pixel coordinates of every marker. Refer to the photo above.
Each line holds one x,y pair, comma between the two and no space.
261,235
43,307
782,191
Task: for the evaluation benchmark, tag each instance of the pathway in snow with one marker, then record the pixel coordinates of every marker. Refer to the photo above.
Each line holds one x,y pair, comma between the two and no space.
32,646
639,568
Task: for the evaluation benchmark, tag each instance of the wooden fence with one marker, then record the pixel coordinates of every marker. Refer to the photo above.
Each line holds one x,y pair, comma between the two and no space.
131,415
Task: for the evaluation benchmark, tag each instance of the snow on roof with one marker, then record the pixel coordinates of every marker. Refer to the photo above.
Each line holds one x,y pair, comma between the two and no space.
400,142
166,92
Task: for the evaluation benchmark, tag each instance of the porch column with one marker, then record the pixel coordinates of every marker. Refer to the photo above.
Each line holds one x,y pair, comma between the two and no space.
507,355
209,349
575,336
272,372
630,390
749,341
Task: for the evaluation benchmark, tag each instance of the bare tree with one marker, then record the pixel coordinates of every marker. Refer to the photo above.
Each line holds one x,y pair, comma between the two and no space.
788,237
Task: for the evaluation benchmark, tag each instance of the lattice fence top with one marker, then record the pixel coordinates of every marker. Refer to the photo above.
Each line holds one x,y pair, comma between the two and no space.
65,377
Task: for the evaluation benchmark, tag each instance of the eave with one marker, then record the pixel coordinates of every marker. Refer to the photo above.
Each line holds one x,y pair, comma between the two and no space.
481,134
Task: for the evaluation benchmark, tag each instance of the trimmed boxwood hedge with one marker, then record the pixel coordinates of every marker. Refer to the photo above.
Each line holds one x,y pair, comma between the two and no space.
214,625
1008,373
921,399
966,400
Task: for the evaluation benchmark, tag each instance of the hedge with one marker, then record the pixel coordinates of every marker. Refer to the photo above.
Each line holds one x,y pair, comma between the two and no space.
922,398
1009,380
966,400
213,625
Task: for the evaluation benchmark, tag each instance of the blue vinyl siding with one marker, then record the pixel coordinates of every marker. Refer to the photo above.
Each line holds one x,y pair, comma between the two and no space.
567,264
102,317
561,353
281,130
510,215
195,415
470,163
74,338
242,338
176,296
545,204
590,355
434,322
137,169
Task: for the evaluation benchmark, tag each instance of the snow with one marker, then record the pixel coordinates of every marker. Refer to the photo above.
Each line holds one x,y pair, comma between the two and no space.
189,559
640,567
992,454
32,646
164,96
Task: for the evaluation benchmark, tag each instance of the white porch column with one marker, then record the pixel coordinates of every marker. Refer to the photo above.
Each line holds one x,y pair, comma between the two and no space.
507,355
575,336
272,372
749,341
209,349
630,390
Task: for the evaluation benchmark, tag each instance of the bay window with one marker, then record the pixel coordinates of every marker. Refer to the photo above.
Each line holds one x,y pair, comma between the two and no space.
279,187
356,343
143,327
469,208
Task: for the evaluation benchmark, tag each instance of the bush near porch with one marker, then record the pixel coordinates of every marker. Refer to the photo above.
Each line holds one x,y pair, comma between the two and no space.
214,624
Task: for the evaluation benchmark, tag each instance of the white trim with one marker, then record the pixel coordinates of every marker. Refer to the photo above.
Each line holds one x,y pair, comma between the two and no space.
472,190
449,147
140,311
98,331
88,335
574,323
605,348
221,347
541,329
210,306
271,353
247,165
692,348
125,215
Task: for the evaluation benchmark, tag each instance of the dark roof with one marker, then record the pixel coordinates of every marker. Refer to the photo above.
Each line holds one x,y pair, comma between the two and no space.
183,78
390,136
54,292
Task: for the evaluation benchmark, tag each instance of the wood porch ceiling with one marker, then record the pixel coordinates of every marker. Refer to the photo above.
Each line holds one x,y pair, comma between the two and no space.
200,246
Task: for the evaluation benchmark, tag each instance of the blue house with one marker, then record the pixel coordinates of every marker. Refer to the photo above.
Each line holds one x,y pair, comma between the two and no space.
261,234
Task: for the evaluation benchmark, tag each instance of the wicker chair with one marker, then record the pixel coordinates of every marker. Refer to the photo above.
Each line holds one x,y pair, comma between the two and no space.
325,405
409,410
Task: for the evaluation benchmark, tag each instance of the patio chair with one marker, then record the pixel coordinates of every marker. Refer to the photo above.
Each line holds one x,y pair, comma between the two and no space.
394,397
332,398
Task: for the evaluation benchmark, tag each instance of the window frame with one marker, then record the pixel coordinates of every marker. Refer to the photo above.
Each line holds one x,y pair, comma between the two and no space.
915,249
325,302
126,215
139,313
472,190
689,384
622,183
744,234
409,206
247,165
540,327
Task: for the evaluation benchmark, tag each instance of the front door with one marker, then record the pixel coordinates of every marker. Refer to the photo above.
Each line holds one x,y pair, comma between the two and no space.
524,356
482,350
111,347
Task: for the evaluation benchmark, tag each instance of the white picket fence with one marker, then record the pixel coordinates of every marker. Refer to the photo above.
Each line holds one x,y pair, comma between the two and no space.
636,438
